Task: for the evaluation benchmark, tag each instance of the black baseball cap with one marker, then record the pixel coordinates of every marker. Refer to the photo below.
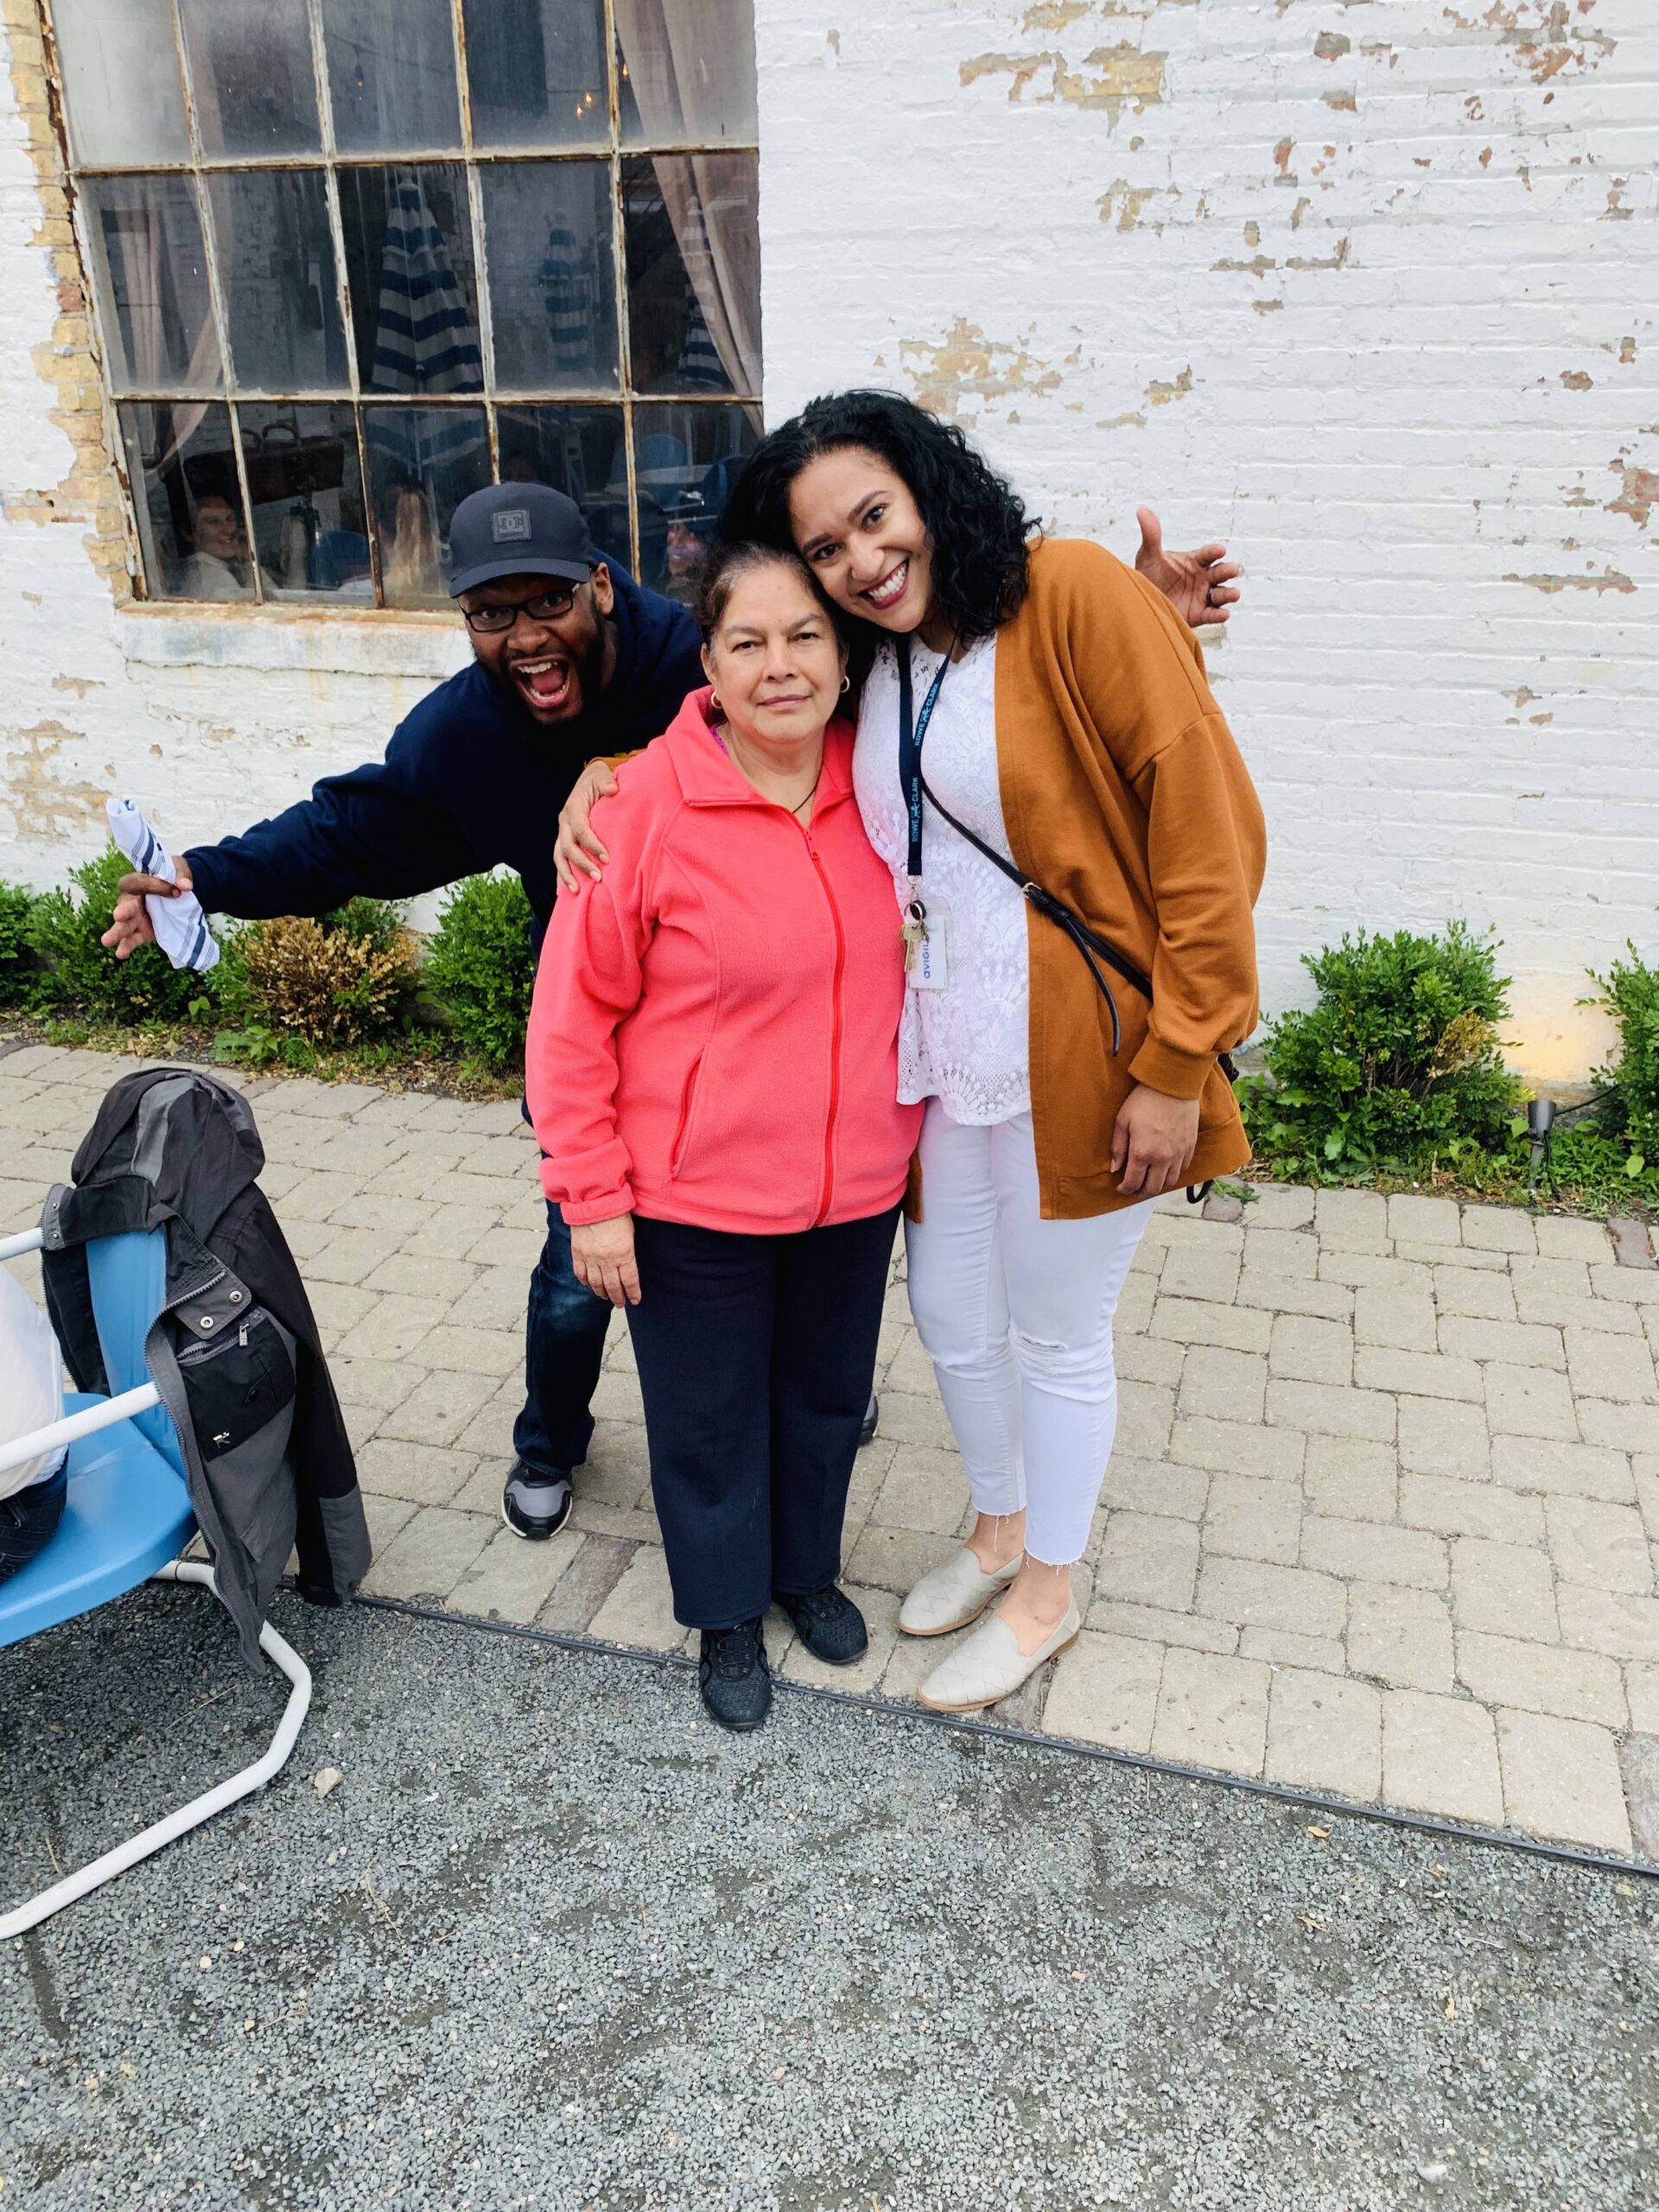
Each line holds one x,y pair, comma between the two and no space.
517,530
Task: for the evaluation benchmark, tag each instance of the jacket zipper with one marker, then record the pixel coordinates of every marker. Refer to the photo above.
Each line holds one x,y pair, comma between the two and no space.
827,1190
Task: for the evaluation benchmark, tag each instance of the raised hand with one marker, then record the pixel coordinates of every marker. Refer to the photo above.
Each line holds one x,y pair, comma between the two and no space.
1198,586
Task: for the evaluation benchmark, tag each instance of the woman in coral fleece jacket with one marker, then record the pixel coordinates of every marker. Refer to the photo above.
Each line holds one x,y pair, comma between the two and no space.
713,1073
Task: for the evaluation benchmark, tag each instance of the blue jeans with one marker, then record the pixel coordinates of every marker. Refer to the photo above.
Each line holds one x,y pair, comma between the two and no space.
28,1519
564,1343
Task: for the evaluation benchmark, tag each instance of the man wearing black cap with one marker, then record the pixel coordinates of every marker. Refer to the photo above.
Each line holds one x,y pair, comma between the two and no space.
571,660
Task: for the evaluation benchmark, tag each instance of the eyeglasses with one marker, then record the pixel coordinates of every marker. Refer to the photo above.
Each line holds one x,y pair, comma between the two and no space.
546,607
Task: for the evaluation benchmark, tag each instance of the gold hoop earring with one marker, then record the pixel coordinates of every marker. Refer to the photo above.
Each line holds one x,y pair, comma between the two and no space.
714,707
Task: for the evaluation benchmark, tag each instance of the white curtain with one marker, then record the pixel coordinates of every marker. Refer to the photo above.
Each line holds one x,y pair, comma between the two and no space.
711,211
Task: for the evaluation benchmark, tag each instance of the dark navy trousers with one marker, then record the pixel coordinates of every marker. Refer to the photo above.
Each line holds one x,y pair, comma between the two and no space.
756,1355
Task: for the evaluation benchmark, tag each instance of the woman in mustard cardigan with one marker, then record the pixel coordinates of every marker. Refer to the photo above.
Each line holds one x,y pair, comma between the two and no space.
1034,717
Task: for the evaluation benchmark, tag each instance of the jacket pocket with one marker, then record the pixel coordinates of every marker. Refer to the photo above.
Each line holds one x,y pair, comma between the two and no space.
240,1390
683,1126
237,1383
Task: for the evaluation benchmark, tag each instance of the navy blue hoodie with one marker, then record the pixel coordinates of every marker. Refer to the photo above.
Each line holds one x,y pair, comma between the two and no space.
468,782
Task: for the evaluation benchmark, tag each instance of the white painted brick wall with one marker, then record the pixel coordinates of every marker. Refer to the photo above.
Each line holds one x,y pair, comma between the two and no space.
1368,287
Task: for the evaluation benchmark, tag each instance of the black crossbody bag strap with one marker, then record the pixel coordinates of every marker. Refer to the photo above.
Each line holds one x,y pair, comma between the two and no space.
1093,947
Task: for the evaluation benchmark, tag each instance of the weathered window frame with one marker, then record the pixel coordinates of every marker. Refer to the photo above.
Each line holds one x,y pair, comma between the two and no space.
473,160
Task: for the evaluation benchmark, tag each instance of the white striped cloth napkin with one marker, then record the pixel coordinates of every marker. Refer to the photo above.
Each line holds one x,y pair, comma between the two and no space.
181,926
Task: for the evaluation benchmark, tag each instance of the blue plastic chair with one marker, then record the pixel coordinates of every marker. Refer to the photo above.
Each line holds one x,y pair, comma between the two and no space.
127,1516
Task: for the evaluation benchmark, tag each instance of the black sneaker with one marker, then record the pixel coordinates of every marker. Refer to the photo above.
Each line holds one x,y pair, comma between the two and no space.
871,1414
733,1676
535,1503
830,1625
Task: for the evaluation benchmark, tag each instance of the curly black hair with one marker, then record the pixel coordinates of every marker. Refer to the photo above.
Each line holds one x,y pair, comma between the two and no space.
977,525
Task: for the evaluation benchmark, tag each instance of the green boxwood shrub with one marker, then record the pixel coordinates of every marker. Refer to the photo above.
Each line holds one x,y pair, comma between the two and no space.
479,965
16,962
1630,990
77,975
1396,1070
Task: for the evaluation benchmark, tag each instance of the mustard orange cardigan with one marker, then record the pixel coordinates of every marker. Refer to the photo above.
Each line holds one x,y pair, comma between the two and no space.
1125,795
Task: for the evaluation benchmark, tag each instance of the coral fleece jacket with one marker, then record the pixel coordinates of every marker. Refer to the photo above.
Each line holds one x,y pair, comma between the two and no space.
714,1038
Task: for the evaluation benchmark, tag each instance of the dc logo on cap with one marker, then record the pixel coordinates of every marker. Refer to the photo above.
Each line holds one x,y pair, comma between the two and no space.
510,523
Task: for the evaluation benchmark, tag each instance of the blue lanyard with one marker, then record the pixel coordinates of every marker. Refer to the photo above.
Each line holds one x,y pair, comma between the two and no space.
912,731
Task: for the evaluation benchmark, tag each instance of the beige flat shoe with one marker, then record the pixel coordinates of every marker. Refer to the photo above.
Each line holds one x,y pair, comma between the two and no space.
954,1594
990,1666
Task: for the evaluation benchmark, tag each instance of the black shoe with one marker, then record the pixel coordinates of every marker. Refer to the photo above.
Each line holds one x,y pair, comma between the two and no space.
535,1503
733,1676
830,1625
871,1414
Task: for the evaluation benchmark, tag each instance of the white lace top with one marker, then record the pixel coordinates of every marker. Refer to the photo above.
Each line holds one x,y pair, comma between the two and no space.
966,1045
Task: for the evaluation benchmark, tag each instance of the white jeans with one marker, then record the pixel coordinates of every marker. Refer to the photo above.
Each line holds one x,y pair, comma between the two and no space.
1016,1314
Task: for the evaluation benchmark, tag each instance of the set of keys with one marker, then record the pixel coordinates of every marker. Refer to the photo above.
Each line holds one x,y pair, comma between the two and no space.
913,929
926,931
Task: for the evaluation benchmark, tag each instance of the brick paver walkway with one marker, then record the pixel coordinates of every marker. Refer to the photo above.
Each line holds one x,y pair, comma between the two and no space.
1382,1520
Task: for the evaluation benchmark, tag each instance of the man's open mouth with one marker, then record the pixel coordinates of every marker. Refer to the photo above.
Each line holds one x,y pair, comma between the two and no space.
891,589
545,683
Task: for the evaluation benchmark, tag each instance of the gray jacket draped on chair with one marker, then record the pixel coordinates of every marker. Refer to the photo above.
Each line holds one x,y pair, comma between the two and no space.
234,1350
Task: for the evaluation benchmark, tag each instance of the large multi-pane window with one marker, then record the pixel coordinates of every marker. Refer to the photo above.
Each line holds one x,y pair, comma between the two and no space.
354,258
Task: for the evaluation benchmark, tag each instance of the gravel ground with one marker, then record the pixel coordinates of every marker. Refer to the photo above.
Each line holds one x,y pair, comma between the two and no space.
553,1944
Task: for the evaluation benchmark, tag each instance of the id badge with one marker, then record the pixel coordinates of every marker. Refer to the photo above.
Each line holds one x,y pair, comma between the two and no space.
930,964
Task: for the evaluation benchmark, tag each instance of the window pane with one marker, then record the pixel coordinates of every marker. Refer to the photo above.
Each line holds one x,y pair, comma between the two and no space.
547,236
391,74
150,274
189,505
276,269
578,450
121,88
409,258
250,73
306,489
536,72
687,72
422,462
694,272
685,462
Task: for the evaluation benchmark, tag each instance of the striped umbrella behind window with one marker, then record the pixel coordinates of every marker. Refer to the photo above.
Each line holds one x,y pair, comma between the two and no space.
425,343
701,368
425,340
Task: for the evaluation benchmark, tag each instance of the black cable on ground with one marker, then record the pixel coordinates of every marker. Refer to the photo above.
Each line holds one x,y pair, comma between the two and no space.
1031,1739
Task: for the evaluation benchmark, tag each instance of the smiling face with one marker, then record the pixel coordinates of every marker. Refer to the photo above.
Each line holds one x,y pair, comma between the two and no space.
218,528
554,664
774,658
860,531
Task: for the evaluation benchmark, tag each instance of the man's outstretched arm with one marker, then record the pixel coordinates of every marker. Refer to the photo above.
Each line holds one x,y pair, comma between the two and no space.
373,833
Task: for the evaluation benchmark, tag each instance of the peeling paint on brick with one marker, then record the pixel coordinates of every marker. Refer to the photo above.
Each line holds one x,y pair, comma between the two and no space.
966,366
89,494
1337,260
1638,492
36,791
1543,36
1110,78
1609,580
1161,395
1124,203
1054,15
